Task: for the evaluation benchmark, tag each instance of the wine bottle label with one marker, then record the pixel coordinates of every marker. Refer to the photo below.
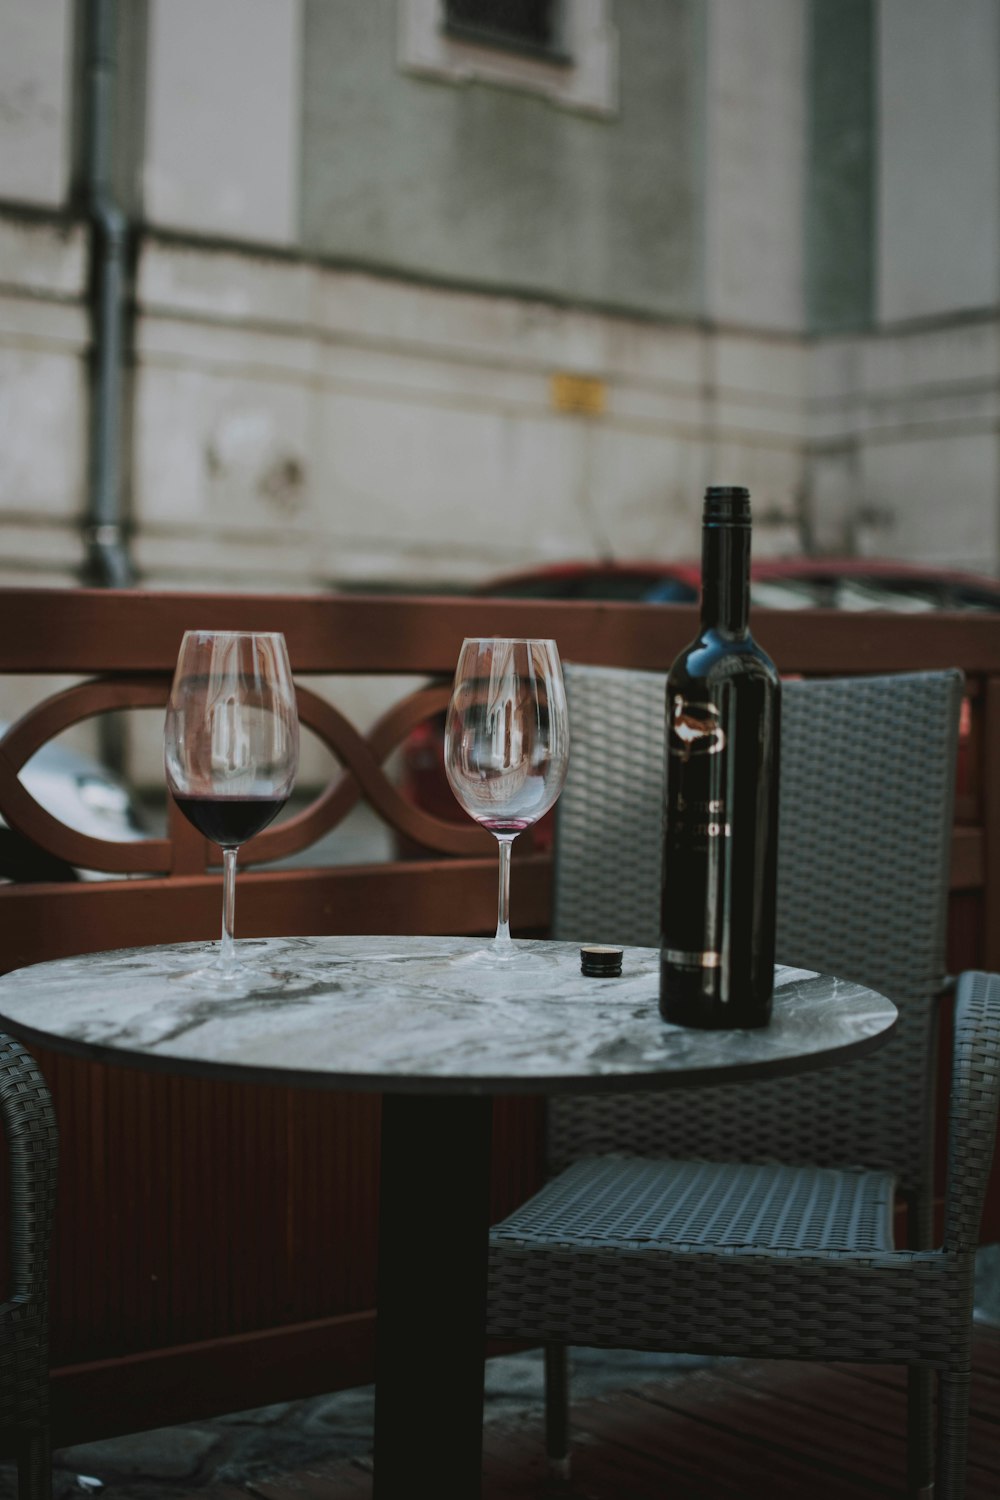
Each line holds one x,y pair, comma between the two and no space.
697,802
695,729
698,846
717,945
692,960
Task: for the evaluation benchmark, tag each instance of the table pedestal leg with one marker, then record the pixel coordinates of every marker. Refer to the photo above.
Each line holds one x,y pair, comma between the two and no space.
432,1264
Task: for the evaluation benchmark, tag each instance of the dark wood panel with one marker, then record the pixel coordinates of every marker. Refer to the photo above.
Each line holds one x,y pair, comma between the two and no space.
991,823
968,859
196,1254
43,921
160,1387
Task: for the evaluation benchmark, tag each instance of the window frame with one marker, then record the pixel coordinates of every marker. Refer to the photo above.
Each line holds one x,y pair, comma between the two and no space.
582,75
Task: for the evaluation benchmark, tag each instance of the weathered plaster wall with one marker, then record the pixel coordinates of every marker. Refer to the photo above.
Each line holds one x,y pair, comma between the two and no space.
345,337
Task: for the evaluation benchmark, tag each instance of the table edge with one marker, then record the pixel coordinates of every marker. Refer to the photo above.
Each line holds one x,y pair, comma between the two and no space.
434,1084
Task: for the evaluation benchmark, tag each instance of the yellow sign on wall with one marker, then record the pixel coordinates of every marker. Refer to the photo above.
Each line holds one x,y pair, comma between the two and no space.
580,393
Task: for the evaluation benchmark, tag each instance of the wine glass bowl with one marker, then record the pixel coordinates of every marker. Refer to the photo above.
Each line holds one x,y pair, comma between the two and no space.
507,745
231,746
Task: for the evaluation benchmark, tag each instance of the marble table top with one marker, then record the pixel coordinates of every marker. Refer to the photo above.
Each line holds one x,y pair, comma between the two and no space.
421,1014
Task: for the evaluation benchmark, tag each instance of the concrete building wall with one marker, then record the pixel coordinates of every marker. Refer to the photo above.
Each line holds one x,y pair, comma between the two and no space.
841,98
904,457
939,178
365,430
754,164
36,93
905,454
223,105
43,269
494,186
44,339
348,338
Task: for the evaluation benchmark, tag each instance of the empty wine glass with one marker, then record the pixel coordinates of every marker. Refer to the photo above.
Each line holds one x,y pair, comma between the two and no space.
506,746
231,750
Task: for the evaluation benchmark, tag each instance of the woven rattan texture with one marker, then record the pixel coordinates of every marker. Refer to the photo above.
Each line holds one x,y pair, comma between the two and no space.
632,1201
30,1129
867,779
910,1306
596,1259
972,1117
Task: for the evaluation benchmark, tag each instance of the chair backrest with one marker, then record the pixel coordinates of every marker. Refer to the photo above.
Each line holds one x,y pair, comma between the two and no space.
866,804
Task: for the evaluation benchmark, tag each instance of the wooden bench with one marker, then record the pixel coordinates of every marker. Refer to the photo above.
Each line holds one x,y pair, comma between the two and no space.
215,1244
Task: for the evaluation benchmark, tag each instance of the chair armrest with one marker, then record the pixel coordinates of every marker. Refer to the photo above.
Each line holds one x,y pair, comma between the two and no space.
32,1145
972,1116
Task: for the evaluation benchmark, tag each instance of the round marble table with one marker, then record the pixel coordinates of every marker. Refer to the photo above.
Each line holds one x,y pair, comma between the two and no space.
438,1034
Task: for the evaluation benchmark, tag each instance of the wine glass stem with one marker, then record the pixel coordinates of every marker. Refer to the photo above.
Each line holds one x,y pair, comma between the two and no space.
227,952
502,939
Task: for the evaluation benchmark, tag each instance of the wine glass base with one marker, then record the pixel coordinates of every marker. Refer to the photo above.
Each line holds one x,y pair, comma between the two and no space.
500,957
249,973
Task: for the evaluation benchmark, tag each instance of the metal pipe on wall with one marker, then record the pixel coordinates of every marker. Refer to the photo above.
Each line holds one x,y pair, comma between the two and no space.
108,561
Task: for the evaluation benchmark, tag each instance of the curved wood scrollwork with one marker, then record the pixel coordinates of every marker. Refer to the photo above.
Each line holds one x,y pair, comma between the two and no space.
362,760
362,776
43,723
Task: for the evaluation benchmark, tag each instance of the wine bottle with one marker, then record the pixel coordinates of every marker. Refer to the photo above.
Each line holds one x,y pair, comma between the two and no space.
721,796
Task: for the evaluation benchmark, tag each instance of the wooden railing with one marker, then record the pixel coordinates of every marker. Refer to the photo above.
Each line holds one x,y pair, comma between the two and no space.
215,1243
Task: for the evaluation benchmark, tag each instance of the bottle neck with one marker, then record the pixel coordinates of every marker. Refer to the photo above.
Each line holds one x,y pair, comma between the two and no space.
725,579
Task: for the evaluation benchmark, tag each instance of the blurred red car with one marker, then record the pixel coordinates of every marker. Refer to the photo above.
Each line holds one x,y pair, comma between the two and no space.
776,583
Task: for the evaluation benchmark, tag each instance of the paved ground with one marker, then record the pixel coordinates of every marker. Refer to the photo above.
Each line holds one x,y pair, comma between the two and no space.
277,1440
286,1439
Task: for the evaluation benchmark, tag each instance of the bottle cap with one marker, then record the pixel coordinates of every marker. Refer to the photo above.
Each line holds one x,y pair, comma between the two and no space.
600,961
727,505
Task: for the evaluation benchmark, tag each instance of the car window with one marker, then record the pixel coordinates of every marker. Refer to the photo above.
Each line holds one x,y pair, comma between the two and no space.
670,591
856,593
788,593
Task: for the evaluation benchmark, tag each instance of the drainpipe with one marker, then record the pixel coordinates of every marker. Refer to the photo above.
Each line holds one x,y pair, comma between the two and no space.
108,563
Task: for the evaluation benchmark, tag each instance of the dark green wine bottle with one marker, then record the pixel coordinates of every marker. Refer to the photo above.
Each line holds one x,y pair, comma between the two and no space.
721,796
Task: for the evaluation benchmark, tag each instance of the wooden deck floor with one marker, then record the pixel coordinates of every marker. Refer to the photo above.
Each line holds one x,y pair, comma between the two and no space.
785,1431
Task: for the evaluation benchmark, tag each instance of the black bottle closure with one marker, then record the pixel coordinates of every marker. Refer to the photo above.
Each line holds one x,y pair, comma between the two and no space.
721,796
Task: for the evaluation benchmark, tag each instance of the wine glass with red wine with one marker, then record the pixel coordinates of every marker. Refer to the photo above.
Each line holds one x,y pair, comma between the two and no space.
231,749
506,748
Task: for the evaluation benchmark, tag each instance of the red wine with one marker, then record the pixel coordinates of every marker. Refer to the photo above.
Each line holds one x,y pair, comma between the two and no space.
721,797
230,821
501,826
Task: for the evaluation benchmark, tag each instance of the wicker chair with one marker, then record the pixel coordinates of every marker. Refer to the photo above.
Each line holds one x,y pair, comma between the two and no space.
29,1124
658,1231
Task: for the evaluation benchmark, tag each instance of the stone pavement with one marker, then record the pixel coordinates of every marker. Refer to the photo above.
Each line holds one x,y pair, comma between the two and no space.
248,1448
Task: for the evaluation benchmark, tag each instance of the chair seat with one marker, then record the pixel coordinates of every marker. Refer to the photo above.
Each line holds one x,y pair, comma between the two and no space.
633,1202
770,1261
